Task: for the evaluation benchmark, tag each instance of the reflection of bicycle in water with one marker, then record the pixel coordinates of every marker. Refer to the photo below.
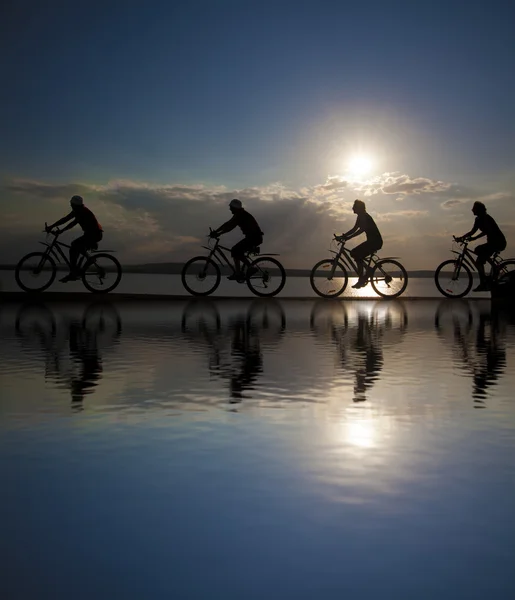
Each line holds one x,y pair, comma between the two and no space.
264,275
453,277
478,347
329,277
86,339
236,349
359,336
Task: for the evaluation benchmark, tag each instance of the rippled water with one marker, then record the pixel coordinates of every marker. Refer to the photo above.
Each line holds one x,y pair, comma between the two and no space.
257,449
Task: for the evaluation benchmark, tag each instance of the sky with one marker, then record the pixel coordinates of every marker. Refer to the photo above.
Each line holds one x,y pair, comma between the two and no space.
160,112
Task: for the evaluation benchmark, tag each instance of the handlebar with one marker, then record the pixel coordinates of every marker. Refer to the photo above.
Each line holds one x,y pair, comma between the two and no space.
55,232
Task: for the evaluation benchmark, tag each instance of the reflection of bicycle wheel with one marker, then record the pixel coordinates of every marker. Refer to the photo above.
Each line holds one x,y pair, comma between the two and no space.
327,316
35,321
200,315
390,315
103,321
451,315
266,319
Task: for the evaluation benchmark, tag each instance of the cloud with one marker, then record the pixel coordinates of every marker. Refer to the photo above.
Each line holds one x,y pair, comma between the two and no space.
399,184
403,214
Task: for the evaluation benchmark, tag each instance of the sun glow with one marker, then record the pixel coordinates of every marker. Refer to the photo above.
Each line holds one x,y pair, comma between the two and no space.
359,165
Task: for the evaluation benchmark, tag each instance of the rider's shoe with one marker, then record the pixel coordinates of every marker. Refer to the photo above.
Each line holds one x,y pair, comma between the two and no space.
236,277
70,277
482,287
362,282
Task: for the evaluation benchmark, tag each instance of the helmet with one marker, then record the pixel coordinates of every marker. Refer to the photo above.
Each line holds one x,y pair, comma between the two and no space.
76,201
235,203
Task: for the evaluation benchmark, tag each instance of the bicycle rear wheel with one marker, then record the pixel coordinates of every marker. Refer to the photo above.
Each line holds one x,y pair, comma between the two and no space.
35,272
265,276
101,273
324,285
200,276
389,278
452,282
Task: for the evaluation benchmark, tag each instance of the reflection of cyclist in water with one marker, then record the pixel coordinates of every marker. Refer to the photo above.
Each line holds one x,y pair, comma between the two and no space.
491,354
369,356
99,328
478,347
360,342
242,363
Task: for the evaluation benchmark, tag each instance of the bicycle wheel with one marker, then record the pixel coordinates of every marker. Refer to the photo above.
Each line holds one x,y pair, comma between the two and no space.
323,285
506,268
200,276
389,278
35,272
265,276
101,273
452,283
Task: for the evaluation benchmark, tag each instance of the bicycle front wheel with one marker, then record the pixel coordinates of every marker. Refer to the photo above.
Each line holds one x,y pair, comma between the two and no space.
452,280
101,273
265,276
200,276
389,278
323,284
35,272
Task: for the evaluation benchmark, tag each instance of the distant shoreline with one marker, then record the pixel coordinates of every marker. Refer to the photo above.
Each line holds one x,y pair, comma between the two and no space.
176,269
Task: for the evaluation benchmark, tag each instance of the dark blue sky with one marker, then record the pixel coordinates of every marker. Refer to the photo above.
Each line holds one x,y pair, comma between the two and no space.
245,93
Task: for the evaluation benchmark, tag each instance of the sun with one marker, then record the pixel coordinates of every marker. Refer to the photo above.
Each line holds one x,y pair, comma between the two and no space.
359,165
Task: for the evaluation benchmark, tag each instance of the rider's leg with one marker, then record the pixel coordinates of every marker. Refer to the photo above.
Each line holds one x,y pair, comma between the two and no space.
238,254
77,247
359,253
483,253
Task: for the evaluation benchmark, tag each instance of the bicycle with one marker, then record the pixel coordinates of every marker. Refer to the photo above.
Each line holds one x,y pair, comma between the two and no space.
94,267
259,273
388,277
457,282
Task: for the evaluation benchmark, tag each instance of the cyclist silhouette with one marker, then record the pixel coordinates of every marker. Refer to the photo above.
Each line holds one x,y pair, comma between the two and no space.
250,229
495,242
364,224
79,215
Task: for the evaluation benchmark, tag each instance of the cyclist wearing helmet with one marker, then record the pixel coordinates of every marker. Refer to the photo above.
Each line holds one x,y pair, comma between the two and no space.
364,224
79,215
250,229
495,241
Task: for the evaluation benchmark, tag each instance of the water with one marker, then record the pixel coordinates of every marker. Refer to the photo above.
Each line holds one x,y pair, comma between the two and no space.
136,283
252,449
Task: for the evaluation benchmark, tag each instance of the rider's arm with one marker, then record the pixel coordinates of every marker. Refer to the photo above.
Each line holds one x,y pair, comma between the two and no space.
72,224
469,234
480,235
68,217
355,231
226,227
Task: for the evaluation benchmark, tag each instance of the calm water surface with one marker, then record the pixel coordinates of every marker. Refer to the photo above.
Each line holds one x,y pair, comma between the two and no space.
257,449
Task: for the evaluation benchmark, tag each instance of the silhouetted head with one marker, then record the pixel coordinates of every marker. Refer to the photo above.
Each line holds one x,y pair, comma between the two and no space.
478,208
359,207
76,202
235,205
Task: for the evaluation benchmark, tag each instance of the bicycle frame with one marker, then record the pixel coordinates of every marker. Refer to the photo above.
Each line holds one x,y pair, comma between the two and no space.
55,249
466,257
344,255
217,252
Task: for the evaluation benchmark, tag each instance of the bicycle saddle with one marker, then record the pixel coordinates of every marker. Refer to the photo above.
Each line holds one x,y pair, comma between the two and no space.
255,250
